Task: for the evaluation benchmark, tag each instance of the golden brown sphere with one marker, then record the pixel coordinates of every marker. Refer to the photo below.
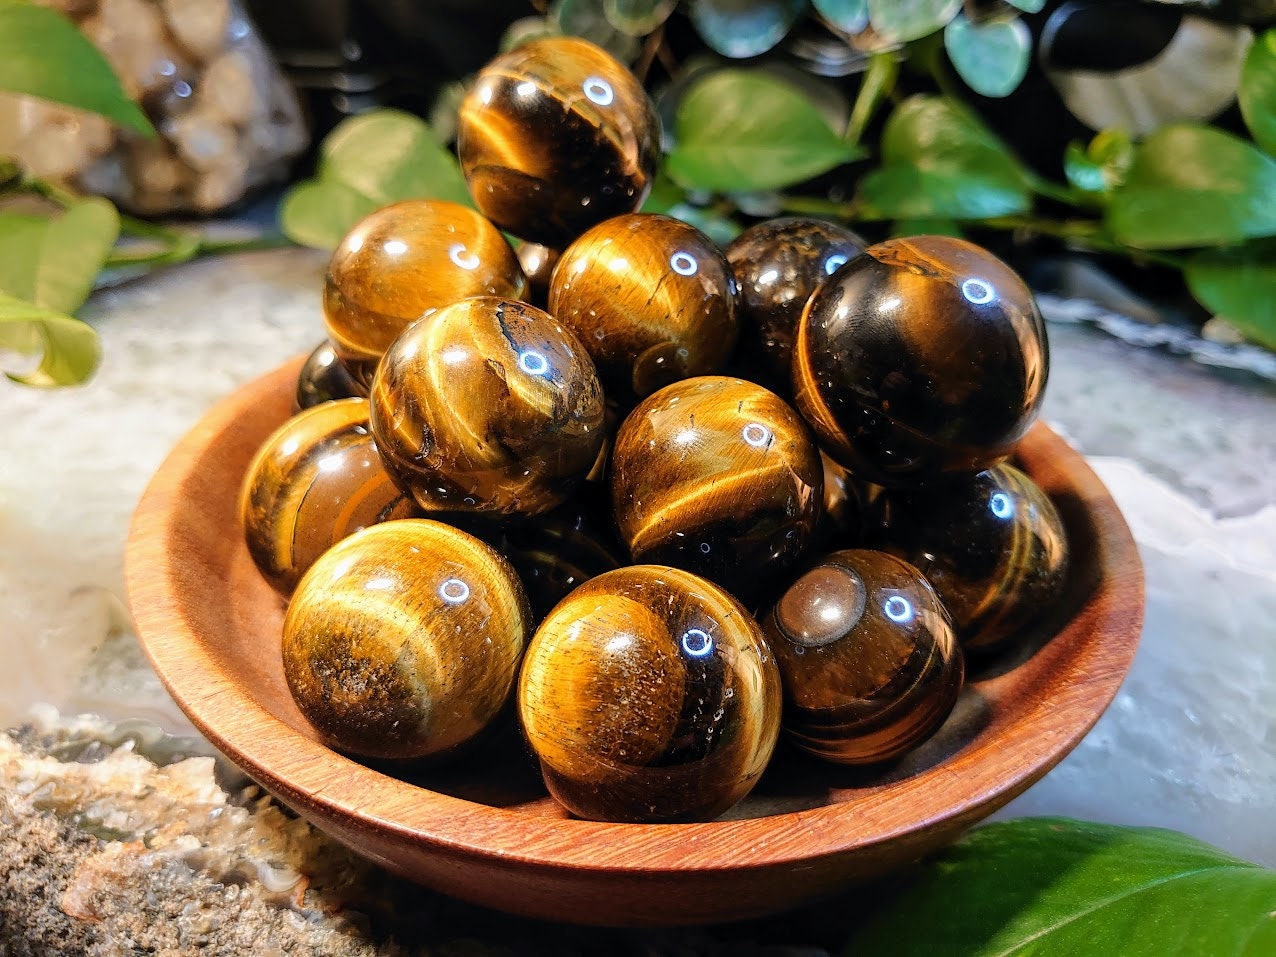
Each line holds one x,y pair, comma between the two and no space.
323,378
555,136
777,265
404,261
316,480
867,655
923,358
993,546
404,640
649,694
651,297
718,476
488,406
538,264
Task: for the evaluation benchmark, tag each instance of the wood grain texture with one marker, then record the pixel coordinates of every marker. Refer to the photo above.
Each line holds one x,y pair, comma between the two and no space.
210,625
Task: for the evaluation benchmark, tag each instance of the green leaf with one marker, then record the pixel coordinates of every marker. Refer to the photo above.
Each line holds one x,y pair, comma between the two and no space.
940,161
52,262
1103,165
1258,91
664,195
721,229
367,162
1238,285
1194,186
905,20
43,54
1051,887
738,131
637,17
1028,6
319,213
992,56
850,16
71,350
744,28
926,227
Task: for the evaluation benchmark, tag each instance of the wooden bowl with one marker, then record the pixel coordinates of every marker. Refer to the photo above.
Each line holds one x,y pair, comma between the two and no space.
484,830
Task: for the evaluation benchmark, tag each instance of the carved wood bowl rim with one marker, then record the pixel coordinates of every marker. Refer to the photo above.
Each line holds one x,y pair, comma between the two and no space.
193,592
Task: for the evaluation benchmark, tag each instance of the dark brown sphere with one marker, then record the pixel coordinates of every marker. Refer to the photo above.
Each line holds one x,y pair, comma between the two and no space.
718,476
649,694
324,379
404,641
924,358
555,136
867,655
401,263
651,297
777,265
488,406
993,546
315,481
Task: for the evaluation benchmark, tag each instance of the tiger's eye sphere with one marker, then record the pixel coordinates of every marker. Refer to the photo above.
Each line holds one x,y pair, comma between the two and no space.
923,358
316,480
867,656
649,694
403,261
553,556
718,476
538,264
404,640
777,265
652,299
993,546
556,136
323,378
490,406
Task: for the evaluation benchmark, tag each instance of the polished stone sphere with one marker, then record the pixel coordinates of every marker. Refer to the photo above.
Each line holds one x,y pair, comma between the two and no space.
869,662
652,299
923,358
556,136
720,477
403,262
777,265
404,640
649,695
316,480
487,406
323,378
993,546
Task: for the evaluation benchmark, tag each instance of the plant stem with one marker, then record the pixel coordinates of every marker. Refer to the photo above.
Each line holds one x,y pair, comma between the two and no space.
877,85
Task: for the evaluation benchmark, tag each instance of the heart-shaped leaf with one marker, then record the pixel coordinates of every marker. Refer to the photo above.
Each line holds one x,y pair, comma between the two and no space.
1194,185
367,162
905,20
850,16
70,347
51,262
1051,887
741,131
43,54
1239,285
1258,91
744,28
939,161
992,57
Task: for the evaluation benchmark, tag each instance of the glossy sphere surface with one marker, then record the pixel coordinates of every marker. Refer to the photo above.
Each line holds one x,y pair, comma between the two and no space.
403,261
323,378
868,659
538,264
553,556
556,136
652,299
316,480
777,265
488,405
718,476
649,694
993,546
404,641
922,358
